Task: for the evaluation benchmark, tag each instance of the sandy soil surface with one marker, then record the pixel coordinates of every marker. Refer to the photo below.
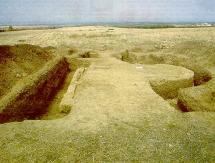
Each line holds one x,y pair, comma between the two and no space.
119,111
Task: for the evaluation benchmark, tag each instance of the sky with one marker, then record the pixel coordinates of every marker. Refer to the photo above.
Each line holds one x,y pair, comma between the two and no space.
91,11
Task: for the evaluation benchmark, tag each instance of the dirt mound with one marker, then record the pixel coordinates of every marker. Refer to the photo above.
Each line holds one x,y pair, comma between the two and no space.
19,61
169,79
128,57
201,98
201,74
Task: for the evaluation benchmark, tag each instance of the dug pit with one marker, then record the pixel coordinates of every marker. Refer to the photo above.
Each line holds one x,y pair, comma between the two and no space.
178,90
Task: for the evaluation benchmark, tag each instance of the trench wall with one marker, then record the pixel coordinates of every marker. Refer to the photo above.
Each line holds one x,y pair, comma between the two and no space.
29,98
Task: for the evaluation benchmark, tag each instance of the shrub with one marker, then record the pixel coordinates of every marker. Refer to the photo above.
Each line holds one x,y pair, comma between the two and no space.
10,28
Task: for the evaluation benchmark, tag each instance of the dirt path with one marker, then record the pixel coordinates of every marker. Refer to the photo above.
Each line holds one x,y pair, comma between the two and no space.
111,89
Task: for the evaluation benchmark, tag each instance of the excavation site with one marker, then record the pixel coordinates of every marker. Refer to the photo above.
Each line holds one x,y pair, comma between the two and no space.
96,93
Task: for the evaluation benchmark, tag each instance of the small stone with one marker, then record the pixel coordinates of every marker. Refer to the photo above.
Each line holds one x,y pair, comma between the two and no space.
18,75
170,145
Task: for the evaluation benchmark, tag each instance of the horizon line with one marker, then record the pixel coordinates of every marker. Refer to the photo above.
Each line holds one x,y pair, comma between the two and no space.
105,23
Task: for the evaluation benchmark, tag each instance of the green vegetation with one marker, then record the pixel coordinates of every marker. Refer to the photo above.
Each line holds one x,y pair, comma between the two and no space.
157,26
148,26
10,28
88,54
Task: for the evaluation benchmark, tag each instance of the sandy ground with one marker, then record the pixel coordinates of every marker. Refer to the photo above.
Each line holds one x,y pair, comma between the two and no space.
116,115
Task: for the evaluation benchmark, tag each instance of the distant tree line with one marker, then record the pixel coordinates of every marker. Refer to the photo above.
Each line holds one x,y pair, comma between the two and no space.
9,28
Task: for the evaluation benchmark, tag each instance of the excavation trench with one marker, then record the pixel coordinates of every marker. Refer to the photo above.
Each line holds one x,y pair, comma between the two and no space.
33,81
194,94
39,97
29,98
55,109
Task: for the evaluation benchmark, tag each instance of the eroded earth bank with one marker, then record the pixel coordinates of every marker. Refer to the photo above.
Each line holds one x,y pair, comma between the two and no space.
107,94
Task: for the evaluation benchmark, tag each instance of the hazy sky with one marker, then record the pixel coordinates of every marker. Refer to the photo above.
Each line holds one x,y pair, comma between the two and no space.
70,11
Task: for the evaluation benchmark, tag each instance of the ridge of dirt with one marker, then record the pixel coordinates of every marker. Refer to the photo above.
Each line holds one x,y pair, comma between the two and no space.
19,61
